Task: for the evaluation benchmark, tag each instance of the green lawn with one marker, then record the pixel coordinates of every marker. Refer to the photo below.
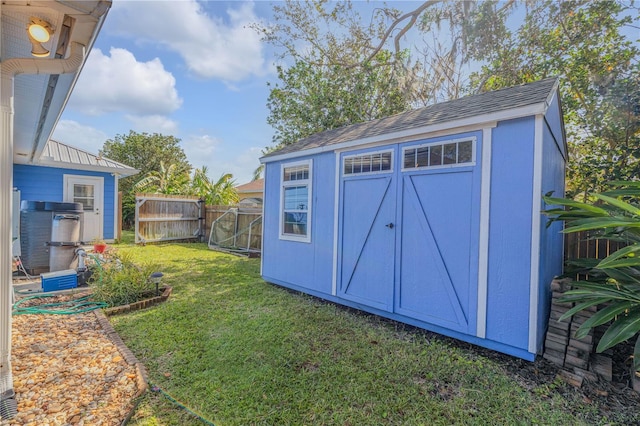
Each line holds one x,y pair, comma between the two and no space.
243,352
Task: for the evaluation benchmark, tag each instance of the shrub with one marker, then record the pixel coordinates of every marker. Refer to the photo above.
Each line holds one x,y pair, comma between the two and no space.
612,283
116,280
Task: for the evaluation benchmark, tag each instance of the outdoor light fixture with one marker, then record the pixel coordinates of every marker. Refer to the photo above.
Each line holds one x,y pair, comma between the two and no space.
39,32
155,278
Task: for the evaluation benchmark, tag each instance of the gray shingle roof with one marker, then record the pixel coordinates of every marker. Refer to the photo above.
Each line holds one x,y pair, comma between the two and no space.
59,154
458,109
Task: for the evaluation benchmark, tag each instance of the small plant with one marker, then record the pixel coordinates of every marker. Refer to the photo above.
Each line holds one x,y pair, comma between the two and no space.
614,282
117,281
99,245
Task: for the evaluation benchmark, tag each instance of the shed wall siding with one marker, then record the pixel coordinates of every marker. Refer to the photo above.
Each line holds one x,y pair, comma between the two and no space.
308,265
551,238
553,120
38,183
510,232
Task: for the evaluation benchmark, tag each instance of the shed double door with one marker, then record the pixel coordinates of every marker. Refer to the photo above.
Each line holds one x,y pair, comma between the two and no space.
408,240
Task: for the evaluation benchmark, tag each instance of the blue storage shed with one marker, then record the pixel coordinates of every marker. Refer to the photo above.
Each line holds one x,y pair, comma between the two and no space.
429,217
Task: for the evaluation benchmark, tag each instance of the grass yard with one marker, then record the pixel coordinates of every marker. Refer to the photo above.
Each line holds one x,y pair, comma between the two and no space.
242,352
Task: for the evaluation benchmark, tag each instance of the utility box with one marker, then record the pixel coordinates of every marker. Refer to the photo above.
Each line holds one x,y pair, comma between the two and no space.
60,280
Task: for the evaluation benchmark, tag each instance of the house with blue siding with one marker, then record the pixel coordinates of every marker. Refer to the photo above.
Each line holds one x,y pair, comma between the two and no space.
69,174
430,217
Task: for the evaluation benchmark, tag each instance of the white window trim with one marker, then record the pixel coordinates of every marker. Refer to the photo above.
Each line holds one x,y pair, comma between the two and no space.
377,172
442,166
283,184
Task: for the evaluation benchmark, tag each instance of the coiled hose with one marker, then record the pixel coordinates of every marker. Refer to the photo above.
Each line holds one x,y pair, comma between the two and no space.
75,306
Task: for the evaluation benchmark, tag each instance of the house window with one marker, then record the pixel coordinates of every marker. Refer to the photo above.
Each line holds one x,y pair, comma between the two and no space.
445,154
295,216
367,163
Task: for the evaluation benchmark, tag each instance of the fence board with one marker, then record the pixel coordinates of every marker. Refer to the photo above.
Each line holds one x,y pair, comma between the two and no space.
580,245
167,218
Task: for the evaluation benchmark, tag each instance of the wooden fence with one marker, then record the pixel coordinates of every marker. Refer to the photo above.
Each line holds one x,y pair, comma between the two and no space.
168,218
580,245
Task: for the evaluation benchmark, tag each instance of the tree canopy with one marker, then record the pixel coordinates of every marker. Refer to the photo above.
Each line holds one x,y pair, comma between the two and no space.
339,68
322,88
147,153
583,43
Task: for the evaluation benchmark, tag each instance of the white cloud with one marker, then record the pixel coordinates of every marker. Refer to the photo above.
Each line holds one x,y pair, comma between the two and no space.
200,149
119,83
80,136
243,165
210,151
153,124
211,46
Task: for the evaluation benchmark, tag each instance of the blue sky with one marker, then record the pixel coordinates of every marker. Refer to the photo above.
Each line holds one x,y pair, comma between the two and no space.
184,68
187,68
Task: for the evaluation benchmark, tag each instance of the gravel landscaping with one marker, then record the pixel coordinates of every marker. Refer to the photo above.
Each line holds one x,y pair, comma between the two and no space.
71,370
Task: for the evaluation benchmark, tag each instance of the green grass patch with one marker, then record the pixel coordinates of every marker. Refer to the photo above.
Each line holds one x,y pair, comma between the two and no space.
240,351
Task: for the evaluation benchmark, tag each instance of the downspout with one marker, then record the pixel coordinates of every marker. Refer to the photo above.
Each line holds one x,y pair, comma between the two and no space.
116,215
8,70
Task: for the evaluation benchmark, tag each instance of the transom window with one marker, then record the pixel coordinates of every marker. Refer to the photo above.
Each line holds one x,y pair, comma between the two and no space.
449,153
367,163
296,202
296,173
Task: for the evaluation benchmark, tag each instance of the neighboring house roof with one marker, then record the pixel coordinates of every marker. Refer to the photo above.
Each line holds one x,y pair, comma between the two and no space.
484,107
251,200
253,186
58,154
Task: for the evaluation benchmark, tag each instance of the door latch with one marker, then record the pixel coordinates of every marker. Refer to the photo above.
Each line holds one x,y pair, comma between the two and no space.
389,225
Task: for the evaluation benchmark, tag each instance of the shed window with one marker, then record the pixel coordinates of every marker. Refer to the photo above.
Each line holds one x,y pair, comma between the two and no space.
367,163
449,154
296,202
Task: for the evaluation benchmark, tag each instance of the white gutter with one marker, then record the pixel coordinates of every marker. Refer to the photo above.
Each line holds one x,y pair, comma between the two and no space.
8,70
14,66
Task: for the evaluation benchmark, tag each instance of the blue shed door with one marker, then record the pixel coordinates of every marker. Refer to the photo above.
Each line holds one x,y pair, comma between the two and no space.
437,278
367,266
408,232
368,241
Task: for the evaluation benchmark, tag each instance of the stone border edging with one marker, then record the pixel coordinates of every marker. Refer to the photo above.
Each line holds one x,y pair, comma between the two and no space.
142,379
142,304
125,352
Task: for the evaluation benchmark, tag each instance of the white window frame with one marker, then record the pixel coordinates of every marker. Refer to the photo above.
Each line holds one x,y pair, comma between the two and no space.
362,154
302,182
471,139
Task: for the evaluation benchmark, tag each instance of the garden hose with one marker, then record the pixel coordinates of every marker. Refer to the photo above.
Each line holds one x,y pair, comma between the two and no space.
76,306
156,388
